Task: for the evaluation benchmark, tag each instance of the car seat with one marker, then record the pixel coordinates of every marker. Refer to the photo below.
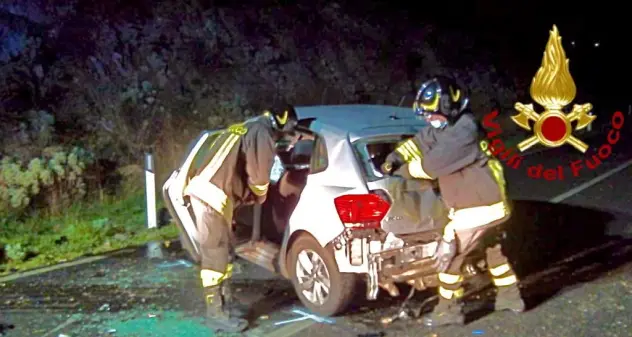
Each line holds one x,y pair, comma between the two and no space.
285,194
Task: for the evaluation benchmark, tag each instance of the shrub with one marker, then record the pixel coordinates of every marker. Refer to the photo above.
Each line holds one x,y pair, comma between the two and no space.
56,179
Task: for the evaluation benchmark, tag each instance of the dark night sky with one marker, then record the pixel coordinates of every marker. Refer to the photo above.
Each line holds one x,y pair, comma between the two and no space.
519,30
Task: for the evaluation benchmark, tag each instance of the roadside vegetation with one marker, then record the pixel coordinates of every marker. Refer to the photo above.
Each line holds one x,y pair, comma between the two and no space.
53,211
82,229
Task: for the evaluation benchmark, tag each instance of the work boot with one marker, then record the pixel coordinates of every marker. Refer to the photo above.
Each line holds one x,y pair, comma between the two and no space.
445,313
233,306
218,317
509,298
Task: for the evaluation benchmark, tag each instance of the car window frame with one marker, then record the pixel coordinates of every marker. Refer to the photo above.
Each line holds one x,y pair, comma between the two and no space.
319,151
360,150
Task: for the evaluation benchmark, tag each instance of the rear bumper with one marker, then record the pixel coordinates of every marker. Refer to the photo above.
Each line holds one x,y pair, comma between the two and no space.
411,264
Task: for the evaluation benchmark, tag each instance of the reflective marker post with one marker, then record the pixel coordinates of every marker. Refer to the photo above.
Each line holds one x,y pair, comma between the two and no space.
154,249
150,191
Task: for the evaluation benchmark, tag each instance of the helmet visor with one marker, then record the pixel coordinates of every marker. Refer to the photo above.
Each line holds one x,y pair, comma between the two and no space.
427,100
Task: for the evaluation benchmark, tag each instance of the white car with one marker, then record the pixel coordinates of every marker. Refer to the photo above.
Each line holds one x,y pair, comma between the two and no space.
331,217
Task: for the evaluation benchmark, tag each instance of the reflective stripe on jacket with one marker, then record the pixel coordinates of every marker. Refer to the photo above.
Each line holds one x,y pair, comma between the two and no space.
235,167
468,177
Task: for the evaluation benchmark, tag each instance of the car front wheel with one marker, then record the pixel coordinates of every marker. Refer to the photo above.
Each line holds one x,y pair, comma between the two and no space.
320,286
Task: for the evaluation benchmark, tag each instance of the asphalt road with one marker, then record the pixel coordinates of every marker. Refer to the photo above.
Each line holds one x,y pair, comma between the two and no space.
573,256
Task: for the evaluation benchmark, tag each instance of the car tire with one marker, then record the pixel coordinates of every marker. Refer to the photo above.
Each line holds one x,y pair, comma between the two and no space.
341,289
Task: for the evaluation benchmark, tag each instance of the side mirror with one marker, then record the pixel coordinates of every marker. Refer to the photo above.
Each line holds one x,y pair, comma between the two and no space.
284,147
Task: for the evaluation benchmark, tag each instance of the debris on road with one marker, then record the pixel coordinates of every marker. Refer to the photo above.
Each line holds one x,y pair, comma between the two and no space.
154,250
4,327
171,323
401,314
180,262
373,334
305,316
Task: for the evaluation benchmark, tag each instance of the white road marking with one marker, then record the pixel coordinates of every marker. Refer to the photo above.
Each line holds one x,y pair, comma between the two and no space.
295,325
69,321
16,276
290,329
589,183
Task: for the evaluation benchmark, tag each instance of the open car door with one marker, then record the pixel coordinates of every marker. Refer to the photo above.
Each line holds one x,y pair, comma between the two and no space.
177,204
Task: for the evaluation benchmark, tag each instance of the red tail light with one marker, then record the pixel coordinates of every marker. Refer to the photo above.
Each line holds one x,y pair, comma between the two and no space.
361,210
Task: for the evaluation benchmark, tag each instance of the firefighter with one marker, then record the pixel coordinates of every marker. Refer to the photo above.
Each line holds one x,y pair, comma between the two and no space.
472,185
233,171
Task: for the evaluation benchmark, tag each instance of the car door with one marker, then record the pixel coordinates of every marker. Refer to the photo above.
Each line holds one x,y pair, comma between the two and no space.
173,193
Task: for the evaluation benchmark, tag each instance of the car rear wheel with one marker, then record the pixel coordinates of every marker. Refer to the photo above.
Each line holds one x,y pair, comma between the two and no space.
320,286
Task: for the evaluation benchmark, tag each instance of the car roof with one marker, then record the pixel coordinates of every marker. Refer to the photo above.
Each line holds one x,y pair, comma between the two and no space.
360,120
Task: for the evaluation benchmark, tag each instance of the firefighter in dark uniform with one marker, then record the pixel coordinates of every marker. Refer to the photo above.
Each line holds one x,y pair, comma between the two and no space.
234,171
472,185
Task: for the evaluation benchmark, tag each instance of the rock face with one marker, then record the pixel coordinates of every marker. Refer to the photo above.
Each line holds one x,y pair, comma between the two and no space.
126,78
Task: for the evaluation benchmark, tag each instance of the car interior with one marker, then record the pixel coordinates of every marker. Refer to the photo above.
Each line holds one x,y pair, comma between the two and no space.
372,153
284,193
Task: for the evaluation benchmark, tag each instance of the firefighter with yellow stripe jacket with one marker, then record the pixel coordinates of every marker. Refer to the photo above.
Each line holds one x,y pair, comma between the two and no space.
232,172
472,185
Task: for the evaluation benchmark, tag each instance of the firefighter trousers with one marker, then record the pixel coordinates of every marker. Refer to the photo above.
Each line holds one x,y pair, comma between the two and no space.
215,238
487,241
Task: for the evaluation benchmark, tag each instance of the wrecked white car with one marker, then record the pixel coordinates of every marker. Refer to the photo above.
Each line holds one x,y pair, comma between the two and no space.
331,217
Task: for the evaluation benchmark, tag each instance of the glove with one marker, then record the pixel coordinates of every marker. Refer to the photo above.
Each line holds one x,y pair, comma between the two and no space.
387,168
446,251
392,163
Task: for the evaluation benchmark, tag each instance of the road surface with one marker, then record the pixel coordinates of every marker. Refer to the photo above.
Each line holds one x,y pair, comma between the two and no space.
573,256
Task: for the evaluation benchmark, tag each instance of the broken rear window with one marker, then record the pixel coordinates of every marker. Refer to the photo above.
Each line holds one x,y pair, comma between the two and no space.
372,153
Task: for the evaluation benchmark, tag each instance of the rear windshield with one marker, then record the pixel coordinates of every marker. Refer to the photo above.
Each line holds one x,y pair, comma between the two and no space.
372,152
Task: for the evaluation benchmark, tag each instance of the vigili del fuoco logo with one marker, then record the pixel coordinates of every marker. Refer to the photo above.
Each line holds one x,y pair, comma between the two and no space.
553,89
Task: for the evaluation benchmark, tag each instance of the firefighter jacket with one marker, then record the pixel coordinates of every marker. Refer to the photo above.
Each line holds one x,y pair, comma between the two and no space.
467,173
235,168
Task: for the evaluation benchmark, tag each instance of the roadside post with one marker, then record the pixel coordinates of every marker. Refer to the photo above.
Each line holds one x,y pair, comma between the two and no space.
154,249
150,191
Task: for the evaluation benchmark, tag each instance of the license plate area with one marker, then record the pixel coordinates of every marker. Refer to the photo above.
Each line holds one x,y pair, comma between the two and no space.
408,254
